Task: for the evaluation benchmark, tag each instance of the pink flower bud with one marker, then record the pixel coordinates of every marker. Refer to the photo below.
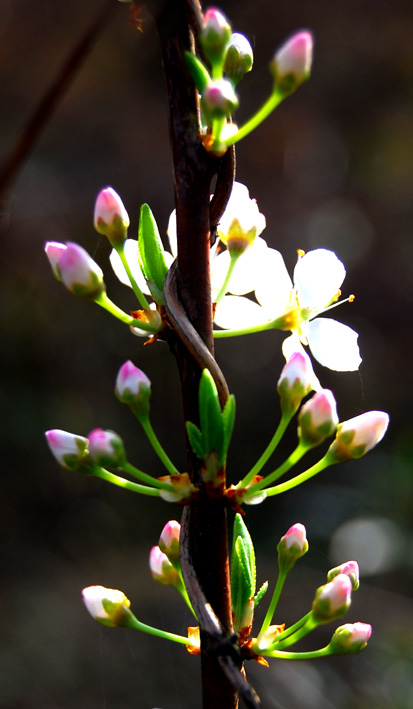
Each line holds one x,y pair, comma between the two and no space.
292,63
295,382
70,450
169,540
317,418
54,251
215,35
219,100
351,569
79,272
358,435
106,448
239,58
332,600
107,605
292,546
111,217
162,569
350,638
133,388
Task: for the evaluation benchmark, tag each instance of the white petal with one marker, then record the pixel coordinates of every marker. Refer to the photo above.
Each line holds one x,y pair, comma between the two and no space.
291,345
317,278
275,286
171,231
240,206
236,312
333,344
247,271
131,253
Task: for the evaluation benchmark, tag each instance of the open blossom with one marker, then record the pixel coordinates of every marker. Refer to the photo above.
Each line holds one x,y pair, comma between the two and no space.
318,276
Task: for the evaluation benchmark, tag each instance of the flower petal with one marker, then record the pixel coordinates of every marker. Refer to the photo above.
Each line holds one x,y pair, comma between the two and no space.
333,344
240,206
318,276
247,271
131,253
235,312
274,289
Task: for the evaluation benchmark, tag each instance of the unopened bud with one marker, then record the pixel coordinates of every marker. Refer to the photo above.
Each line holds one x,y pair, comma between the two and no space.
169,540
317,419
183,488
106,448
162,569
219,100
291,547
133,388
239,58
76,269
295,382
214,36
292,63
54,251
355,437
111,217
332,600
107,605
350,638
351,569
70,450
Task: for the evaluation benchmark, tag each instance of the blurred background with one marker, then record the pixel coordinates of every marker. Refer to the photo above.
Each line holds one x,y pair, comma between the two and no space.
333,167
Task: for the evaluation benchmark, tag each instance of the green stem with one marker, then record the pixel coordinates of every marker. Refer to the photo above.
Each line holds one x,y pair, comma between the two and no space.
219,334
283,487
147,427
126,484
281,470
136,624
233,260
304,629
148,479
272,102
285,420
185,596
140,296
291,630
113,309
274,601
299,655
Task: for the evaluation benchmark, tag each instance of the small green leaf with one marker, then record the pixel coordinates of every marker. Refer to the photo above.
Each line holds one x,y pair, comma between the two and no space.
228,419
210,417
198,71
240,530
151,253
195,439
241,582
261,593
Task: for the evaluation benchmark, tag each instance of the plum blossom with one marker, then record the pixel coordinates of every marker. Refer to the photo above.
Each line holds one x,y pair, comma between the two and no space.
318,276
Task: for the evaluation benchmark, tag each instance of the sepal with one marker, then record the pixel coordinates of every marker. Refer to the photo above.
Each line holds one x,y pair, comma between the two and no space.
199,74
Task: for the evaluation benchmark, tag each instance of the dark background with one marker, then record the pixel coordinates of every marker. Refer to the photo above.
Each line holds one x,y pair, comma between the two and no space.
332,167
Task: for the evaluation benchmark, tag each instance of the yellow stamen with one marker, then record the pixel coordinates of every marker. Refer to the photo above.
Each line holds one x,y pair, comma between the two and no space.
300,253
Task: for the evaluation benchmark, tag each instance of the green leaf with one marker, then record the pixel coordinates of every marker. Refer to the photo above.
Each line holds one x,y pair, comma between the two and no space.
261,593
210,417
240,530
151,253
228,420
241,583
198,71
195,439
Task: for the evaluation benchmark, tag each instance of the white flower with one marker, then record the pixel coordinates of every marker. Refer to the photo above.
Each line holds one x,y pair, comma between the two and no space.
318,276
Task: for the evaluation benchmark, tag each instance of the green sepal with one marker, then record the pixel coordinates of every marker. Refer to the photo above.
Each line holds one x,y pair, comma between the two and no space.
151,254
240,530
228,419
261,593
210,415
241,582
195,439
198,71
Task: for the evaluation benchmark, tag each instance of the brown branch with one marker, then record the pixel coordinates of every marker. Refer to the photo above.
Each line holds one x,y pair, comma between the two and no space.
48,103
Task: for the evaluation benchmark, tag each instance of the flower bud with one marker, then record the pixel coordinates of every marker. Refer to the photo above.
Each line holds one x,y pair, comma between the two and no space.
162,569
133,388
76,269
332,600
351,569
292,63
355,437
54,251
70,450
169,540
295,382
111,217
350,638
214,36
291,547
267,638
107,605
239,58
317,419
219,100
106,448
